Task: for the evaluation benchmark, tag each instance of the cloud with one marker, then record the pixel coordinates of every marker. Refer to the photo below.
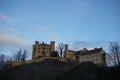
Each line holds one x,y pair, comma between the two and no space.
9,44
79,45
6,24
6,18
12,40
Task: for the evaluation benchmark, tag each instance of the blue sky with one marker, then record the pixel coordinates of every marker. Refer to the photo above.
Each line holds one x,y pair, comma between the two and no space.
79,23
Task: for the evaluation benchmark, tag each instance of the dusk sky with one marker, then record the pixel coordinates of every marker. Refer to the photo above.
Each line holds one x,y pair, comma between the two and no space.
79,23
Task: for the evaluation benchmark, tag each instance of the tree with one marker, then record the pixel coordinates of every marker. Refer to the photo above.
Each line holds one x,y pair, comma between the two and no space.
1,61
109,59
115,50
19,57
61,48
54,54
24,55
15,57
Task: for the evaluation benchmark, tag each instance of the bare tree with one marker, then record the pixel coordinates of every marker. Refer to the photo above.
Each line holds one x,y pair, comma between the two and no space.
24,55
1,61
54,54
60,49
15,57
115,50
19,55
109,59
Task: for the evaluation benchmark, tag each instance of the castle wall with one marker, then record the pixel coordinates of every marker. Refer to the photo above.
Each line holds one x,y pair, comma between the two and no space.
70,55
96,58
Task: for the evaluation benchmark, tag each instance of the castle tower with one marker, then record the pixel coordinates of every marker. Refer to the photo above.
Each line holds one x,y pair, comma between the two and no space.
52,44
42,49
33,52
66,50
35,49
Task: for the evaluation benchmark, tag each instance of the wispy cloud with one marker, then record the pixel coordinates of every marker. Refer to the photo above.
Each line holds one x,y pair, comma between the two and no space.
79,45
11,43
5,18
12,40
7,24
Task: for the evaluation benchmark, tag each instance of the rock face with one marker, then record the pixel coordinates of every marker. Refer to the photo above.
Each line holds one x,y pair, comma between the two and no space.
54,69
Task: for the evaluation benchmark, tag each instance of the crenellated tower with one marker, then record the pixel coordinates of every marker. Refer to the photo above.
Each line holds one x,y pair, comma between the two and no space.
66,50
42,49
52,44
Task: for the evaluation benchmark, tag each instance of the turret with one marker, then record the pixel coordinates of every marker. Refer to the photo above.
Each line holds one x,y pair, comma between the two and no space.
52,43
84,50
36,42
66,50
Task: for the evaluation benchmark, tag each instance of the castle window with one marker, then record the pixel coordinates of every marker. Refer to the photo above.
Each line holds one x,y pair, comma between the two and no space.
43,49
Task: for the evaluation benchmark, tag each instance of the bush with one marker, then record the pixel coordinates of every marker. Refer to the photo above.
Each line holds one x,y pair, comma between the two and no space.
54,54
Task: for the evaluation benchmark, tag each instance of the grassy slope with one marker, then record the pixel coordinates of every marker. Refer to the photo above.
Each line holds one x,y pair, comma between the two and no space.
56,70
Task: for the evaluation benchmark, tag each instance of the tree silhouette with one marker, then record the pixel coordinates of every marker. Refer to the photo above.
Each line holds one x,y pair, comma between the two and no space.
61,48
115,50
54,54
1,61
19,57
109,59
24,55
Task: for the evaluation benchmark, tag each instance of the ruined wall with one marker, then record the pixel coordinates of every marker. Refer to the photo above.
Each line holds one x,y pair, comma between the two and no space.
97,58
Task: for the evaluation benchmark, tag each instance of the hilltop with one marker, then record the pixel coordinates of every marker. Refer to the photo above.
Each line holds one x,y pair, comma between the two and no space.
53,69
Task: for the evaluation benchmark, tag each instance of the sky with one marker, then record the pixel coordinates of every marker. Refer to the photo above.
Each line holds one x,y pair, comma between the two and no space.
79,23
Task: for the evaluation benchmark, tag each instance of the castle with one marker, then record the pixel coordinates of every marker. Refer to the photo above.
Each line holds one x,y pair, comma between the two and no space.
96,55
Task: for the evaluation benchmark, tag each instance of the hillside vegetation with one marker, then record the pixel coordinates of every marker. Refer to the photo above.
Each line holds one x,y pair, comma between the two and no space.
53,69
